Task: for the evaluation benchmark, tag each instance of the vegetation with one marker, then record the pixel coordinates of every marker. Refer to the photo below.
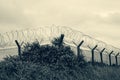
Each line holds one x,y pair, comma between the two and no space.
53,62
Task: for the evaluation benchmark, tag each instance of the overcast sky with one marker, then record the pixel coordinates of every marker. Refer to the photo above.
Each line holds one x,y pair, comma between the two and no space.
97,18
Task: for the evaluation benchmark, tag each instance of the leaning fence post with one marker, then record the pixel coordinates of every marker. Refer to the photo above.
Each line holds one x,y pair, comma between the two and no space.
19,49
101,55
116,56
78,48
110,57
93,54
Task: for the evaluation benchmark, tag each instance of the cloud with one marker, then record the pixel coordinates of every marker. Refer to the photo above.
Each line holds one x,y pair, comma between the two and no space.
95,18
109,18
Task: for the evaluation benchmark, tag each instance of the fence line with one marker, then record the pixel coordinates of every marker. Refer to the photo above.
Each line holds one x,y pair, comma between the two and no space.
46,34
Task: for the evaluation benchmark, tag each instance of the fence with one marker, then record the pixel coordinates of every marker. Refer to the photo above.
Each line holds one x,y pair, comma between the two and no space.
107,53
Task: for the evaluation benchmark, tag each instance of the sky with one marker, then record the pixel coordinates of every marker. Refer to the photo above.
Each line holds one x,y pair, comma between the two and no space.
98,18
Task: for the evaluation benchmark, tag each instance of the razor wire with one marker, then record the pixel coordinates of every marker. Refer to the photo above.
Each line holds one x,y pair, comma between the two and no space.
47,33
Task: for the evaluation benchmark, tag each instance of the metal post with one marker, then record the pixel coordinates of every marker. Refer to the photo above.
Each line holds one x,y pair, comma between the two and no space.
116,56
93,54
101,55
110,57
78,48
61,39
19,49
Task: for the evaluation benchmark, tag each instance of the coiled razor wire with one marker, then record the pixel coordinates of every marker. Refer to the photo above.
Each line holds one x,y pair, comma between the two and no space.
47,33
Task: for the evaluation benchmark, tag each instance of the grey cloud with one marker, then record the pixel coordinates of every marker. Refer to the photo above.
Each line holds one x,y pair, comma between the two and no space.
108,18
11,13
87,16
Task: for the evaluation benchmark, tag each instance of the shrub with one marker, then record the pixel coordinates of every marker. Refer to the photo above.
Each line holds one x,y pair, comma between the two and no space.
57,53
53,62
14,69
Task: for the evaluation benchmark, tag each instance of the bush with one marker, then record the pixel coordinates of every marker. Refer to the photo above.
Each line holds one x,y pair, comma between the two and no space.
14,69
54,54
53,62
47,54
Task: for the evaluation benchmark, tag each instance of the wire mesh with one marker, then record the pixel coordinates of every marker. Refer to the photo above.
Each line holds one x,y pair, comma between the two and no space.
47,33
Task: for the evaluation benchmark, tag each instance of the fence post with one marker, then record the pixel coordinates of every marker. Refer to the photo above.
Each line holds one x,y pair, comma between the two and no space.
19,49
61,40
110,57
93,54
78,49
101,55
116,56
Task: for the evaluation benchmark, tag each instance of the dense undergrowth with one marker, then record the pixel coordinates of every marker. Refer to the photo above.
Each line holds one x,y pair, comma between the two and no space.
53,62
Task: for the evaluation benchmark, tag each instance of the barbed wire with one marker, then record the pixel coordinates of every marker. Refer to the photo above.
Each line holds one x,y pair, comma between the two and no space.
47,33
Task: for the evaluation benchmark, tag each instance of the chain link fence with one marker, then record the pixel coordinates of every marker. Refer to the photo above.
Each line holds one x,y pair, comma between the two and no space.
45,34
